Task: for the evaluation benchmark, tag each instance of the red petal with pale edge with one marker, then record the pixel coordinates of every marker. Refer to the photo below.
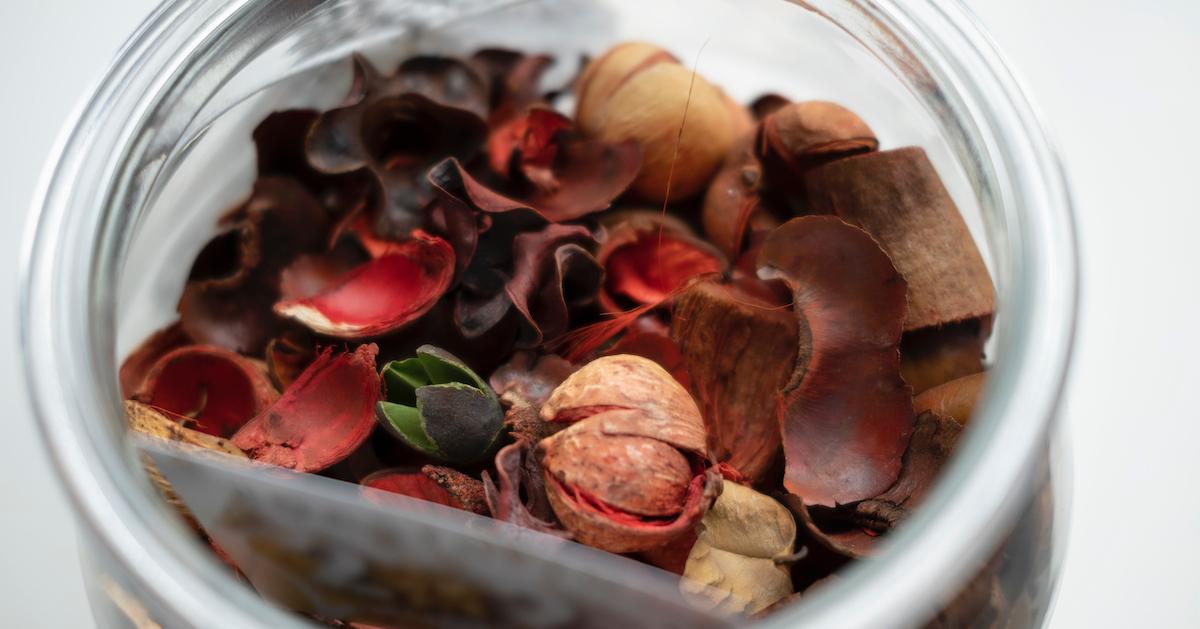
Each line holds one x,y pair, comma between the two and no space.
415,484
323,417
380,296
847,414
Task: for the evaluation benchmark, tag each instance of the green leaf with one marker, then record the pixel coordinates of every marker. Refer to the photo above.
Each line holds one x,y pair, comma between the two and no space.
405,423
434,403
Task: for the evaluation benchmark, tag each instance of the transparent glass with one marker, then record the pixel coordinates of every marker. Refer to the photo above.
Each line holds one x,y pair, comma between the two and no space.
163,145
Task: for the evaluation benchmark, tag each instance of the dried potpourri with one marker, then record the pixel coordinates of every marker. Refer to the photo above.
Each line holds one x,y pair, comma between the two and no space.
735,342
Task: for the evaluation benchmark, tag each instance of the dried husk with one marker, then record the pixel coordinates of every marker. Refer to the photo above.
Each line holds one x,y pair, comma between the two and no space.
627,475
898,198
647,255
322,418
216,389
733,205
739,352
955,399
141,359
733,564
847,415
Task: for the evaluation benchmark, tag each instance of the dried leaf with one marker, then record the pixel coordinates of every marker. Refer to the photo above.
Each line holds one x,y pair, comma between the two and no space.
740,352
322,418
380,296
215,389
847,415
733,563
898,198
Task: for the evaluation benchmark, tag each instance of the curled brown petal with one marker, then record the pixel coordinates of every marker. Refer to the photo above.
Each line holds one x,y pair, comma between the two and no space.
847,415
327,413
518,473
552,275
216,389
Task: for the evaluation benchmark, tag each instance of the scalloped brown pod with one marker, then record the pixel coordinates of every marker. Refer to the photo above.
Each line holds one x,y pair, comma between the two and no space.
216,389
898,198
380,296
853,530
847,415
648,255
628,474
740,351
393,127
142,358
322,418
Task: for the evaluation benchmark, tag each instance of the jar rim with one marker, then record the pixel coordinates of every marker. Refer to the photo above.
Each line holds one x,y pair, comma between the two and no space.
941,544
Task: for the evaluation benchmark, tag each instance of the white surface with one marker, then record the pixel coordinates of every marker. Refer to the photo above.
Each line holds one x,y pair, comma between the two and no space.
1117,82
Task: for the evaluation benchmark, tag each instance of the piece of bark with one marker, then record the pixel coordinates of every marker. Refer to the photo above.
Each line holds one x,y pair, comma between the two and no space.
739,353
898,198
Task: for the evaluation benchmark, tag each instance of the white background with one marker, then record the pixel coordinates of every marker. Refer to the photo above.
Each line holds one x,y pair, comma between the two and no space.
1119,84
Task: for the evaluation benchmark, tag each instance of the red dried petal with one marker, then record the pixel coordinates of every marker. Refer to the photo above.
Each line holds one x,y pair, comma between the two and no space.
648,256
847,414
381,296
137,363
322,418
528,143
415,484
215,388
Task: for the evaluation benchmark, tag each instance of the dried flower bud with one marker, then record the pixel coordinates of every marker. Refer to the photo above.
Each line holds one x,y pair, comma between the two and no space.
640,92
733,562
436,405
628,475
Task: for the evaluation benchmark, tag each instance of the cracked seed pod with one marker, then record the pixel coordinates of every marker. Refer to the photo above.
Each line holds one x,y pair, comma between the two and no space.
640,92
629,473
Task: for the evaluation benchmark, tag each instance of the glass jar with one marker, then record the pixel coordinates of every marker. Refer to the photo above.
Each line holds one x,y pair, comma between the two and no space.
162,146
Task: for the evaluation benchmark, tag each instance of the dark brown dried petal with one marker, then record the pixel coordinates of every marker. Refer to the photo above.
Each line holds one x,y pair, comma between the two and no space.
513,79
279,145
898,198
519,474
733,200
552,275
847,414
